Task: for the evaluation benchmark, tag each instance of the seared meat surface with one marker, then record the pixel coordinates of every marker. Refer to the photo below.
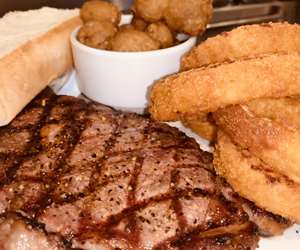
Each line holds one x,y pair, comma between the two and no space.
20,233
81,175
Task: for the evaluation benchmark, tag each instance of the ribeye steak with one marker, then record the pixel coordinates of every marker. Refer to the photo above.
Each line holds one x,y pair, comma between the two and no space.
78,175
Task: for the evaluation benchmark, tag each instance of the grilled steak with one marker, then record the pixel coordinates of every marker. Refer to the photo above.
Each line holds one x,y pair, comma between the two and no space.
81,175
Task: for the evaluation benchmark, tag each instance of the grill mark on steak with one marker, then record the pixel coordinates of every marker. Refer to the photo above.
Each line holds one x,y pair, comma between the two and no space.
148,185
61,148
34,129
130,213
131,201
175,202
95,168
110,152
109,144
72,132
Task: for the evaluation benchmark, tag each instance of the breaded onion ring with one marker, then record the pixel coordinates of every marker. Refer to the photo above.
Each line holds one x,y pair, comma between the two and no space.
244,41
207,89
256,181
286,110
257,39
201,125
274,141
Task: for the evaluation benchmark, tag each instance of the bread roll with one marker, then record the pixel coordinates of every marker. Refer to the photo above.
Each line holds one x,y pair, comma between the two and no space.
34,50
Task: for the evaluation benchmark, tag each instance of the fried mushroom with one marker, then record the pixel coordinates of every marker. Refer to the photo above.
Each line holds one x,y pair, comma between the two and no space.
97,34
161,32
139,24
150,10
133,40
188,16
97,10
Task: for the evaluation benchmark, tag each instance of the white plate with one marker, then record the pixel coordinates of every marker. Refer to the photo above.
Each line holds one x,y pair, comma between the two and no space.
67,85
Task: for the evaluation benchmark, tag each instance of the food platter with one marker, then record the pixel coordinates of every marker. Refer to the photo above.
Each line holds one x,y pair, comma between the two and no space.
121,180
67,85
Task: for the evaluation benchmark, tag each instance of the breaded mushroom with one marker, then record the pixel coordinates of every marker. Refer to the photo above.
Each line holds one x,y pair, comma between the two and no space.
139,23
97,34
189,16
97,10
161,32
150,10
133,40
126,26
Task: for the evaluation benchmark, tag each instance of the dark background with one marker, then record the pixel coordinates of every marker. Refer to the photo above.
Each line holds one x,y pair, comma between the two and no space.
8,5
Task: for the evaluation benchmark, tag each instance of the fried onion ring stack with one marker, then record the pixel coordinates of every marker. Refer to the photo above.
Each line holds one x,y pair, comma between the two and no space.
241,90
248,41
257,151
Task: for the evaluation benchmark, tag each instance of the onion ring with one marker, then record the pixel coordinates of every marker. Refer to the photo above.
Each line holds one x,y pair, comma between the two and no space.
201,125
207,89
244,41
275,142
256,181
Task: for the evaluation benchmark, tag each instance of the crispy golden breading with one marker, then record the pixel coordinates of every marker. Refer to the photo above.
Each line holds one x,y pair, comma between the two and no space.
188,16
256,181
228,47
126,27
184,16
207,89
201,125
161,33
150,10
244,41
273,137
97,34
139,24
131,40
283,110
98,10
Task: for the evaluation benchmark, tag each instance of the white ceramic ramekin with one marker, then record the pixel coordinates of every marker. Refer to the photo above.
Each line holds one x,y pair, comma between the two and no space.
122,79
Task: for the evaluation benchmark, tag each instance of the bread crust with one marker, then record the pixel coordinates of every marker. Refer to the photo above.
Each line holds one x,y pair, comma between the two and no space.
30,68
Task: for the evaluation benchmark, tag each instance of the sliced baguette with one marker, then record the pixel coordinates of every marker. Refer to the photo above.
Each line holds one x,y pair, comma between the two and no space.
34,50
